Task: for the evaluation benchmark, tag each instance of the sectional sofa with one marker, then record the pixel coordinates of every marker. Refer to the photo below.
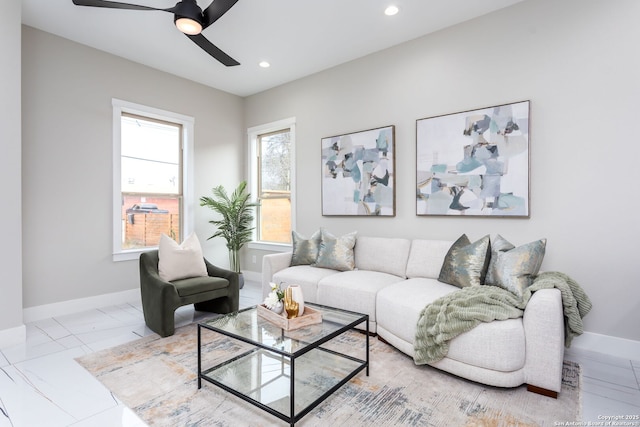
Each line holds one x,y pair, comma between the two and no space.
392,280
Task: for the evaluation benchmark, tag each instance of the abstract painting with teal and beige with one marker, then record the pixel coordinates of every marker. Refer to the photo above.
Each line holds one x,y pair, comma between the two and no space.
358,173
474,163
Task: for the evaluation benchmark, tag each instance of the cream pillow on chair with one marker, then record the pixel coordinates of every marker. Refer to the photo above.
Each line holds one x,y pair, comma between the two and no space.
180,261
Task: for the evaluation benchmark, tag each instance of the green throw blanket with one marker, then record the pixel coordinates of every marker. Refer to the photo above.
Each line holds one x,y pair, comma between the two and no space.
461,311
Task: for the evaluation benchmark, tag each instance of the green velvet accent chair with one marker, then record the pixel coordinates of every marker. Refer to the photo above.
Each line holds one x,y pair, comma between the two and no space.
217,293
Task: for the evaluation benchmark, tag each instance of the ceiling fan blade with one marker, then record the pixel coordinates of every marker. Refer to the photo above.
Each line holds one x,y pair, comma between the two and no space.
213,50
215,10
116,5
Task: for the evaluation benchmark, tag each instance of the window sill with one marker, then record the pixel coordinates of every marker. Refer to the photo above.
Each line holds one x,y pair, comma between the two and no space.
130,255
272,247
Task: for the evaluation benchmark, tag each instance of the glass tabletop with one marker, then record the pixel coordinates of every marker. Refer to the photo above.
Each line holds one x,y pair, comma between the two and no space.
248,326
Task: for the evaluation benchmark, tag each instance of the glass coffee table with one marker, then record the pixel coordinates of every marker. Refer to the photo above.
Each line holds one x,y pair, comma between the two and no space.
286,373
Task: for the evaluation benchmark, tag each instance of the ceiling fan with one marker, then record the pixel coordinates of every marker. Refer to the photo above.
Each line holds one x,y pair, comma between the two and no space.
188,18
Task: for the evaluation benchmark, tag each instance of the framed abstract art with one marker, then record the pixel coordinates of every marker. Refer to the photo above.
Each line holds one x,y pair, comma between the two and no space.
474,163
358,173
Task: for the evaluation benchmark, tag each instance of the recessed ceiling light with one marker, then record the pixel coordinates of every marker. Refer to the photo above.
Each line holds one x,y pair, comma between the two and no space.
391,10
264,64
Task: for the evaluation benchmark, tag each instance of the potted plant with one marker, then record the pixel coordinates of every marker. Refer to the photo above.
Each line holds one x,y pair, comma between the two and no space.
235,226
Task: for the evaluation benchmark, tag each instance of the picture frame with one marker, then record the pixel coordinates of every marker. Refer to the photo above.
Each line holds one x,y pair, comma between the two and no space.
358,173
474,163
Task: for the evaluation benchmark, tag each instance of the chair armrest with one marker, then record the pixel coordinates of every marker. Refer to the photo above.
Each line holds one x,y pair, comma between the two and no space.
271,264
231,276
153,289
543,322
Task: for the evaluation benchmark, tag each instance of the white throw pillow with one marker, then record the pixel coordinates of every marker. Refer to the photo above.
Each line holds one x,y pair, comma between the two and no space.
180,261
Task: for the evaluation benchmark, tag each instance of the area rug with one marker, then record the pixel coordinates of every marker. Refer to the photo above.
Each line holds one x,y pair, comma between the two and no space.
157,378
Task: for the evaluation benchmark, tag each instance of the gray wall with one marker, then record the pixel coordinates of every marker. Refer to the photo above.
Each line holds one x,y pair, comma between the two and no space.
10,167
67,150
576,61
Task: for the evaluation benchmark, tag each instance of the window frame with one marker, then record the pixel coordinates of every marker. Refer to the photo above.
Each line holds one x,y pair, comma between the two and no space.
187,203
252,137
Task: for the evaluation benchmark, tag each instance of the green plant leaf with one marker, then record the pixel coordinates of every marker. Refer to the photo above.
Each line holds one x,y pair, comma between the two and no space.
235,226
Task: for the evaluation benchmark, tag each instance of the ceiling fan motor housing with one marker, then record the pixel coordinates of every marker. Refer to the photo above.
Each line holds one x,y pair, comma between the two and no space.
188,9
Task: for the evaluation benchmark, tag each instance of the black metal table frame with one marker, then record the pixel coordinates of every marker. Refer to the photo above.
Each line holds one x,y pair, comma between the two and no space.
364,364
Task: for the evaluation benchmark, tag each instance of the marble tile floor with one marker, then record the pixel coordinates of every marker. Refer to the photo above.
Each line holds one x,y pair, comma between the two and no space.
42,385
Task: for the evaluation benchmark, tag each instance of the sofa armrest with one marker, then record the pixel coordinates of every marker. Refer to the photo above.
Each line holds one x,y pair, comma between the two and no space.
271,264
543,322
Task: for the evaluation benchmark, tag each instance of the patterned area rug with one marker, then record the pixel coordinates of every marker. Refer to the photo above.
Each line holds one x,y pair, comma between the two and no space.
157,378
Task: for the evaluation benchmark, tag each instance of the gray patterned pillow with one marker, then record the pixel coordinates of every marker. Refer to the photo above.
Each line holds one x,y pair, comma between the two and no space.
466,263
336,253
514,268
305,251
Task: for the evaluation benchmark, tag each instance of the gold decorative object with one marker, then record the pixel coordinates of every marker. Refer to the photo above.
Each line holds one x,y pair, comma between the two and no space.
290,305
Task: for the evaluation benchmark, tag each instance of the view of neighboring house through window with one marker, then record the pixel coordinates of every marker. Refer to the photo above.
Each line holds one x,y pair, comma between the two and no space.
151,184
274,186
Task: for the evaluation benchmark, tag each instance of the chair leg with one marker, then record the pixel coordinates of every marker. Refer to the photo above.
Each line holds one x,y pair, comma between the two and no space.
161,321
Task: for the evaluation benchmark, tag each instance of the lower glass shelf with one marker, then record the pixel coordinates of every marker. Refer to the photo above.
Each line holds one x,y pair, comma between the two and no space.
265,377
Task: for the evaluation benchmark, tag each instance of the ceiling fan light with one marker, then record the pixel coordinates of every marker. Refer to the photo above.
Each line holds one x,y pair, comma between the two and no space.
188,26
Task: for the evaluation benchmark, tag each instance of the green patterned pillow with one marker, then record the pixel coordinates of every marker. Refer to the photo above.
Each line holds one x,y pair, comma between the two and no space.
514,268
466,263
336,253
305,251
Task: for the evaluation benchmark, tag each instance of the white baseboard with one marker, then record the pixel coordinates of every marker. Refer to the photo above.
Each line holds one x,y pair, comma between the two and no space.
46,311
13,336
619,347
32,314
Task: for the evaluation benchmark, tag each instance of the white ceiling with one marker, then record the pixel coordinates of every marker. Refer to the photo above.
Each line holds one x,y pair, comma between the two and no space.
298,37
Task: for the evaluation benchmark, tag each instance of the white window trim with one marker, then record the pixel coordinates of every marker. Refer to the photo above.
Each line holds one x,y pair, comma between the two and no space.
252,138
119,107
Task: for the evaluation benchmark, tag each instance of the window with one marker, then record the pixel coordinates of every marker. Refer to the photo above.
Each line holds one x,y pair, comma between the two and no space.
150,179
272,154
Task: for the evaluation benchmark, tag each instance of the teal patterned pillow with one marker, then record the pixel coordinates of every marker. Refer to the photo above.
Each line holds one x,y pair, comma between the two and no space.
514,268
466,263
305,251
336,253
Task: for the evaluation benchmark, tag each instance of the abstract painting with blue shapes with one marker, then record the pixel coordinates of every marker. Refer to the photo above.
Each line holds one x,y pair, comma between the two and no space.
474,163
358,173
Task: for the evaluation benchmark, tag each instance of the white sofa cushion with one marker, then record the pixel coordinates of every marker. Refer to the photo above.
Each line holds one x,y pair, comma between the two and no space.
354,290
399,305
426,258
381,254
304,275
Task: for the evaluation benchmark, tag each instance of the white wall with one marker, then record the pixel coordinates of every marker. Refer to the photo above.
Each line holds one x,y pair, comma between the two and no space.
11,328
576,61
67,146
